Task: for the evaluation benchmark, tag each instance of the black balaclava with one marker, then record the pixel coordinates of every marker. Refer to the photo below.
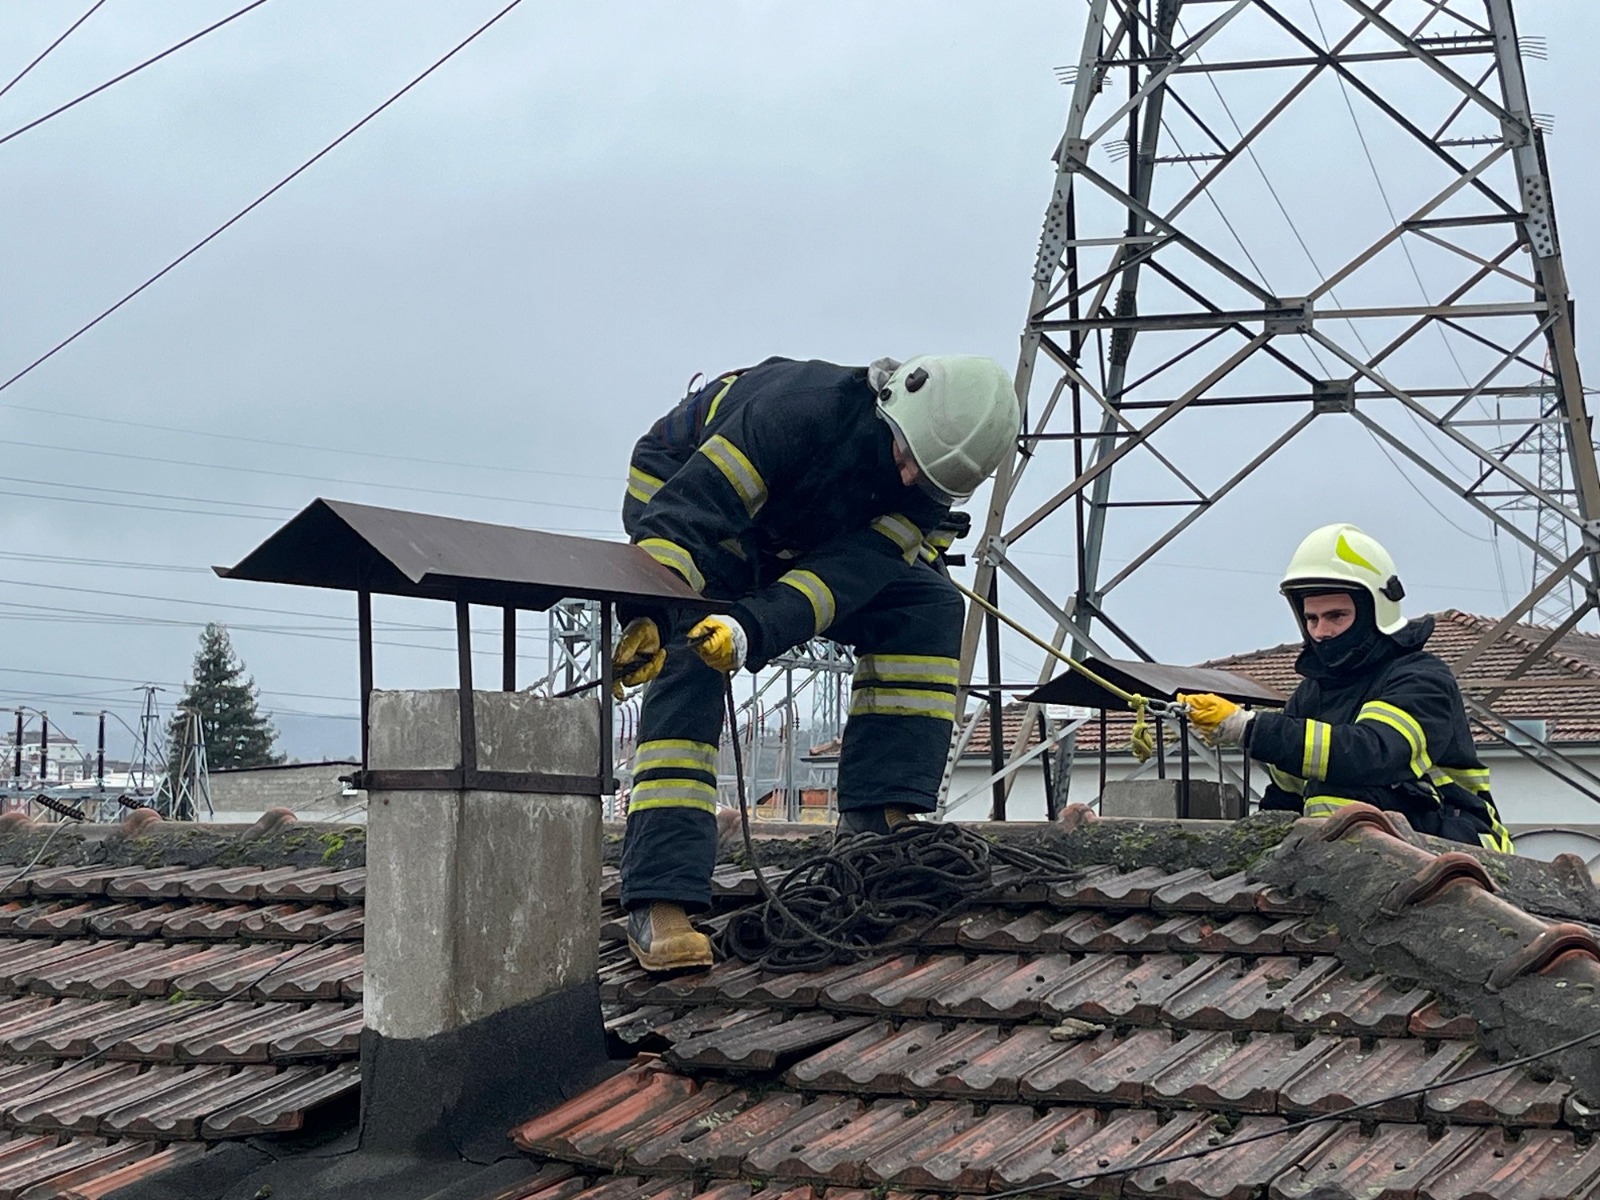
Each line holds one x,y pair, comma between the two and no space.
1353,647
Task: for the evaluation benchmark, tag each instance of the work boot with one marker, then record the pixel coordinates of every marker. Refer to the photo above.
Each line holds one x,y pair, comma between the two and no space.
872,820
661,938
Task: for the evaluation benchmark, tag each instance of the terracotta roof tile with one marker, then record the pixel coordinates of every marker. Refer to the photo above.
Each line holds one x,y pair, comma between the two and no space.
138,1020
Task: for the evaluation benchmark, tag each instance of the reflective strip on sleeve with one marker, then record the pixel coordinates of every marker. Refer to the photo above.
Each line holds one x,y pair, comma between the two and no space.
673,793
739,472
1474,779
810,585
900,530
1406,726
670,554
676,754
1326,806
907,668
1319,744
1292,784
711,413
1499,838
642,486
902,702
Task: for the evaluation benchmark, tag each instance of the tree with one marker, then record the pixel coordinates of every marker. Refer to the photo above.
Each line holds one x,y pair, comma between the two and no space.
237,733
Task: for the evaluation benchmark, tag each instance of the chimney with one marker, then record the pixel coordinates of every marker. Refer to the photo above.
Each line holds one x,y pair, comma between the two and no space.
483,917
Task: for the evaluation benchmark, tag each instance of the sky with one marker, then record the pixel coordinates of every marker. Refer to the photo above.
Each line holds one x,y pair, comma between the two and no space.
476,304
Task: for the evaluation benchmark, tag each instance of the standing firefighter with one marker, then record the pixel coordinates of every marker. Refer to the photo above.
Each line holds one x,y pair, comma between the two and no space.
807,497
1376,718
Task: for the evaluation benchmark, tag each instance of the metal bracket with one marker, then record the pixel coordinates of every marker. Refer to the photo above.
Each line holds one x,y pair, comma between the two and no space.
1295,314
1333,396
459,780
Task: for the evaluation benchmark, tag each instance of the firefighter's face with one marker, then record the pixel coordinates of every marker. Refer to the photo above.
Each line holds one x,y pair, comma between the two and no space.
1327,616
909,471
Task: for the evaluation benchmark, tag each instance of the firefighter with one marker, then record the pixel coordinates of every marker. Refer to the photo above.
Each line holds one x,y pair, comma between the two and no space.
1376,718
807,498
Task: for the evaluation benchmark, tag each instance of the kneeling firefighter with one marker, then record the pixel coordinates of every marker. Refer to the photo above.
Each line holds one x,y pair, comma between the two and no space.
1376,718
809,499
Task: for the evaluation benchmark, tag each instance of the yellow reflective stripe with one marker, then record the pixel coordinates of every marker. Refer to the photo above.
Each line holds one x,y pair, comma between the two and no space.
1319,744
902,702
941,539
810,585
1286,781
928,553
675,753
1474,779
1326,806
670,554
907,668
739,471
711,413
673,793
643,486
900,530
1406,726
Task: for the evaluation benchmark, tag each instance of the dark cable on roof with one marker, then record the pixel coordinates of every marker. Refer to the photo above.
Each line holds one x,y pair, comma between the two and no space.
1296,1126
258,201
43,54
194,37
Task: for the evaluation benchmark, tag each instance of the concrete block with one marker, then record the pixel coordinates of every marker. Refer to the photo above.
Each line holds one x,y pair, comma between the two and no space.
1159,798
478,901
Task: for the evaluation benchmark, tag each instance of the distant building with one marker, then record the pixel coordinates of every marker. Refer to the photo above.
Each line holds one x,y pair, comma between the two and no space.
62,759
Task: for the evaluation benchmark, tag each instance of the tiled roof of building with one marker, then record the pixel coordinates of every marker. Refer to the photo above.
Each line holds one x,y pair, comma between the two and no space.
164,990
1193,989
1562,688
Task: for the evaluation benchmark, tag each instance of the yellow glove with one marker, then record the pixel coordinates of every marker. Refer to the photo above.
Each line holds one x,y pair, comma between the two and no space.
1221,722
638,657
721,642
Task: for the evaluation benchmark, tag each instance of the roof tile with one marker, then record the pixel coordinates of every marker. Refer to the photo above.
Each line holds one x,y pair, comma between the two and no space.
282,1105
1353,1073
1116,988
1241,993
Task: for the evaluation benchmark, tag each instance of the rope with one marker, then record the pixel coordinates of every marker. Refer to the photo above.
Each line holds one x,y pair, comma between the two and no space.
848,902
1141,740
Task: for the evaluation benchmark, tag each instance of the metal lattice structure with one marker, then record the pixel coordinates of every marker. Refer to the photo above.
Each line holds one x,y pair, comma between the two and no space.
1275,224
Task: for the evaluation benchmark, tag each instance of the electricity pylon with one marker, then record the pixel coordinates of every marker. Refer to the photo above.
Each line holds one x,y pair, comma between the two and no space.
1271,219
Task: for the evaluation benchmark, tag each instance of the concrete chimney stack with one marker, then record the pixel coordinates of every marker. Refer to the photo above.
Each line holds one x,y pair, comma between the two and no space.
482,925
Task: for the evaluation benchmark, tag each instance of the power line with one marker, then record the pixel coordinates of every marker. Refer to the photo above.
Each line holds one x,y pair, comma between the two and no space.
194,37
68,560
167,683
257,202
341,451
43,54
277,509
321,479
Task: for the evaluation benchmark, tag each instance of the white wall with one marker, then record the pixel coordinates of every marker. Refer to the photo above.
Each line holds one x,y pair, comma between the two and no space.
1525,793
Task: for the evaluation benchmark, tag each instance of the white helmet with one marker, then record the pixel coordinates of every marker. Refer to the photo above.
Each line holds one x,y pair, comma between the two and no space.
956,413
1340,558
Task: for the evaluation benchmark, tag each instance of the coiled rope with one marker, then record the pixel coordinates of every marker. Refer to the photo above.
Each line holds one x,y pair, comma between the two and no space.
871,892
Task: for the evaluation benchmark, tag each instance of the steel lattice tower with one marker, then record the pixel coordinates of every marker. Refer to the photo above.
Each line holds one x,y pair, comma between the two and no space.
1199,309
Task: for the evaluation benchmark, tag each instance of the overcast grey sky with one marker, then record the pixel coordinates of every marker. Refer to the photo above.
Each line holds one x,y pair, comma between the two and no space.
477,303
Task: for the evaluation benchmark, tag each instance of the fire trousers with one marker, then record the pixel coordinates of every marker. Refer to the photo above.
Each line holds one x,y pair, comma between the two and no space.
902,710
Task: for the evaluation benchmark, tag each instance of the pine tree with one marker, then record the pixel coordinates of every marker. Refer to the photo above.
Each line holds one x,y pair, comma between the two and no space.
237,733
